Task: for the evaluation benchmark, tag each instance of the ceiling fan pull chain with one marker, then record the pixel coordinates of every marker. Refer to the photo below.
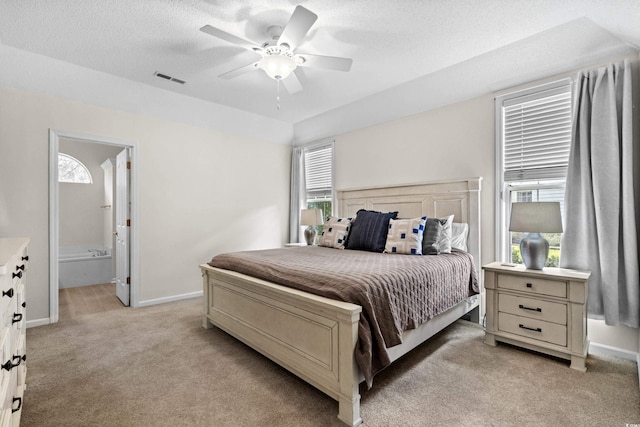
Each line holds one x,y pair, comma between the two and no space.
278,95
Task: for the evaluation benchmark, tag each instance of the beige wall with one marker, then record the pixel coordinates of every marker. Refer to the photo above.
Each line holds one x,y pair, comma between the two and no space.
456,141
201,192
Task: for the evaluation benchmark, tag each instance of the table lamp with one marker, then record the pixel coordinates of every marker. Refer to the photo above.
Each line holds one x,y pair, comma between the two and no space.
310,217
535,218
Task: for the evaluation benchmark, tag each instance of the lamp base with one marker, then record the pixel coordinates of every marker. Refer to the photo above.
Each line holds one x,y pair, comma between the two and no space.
534,250
310,235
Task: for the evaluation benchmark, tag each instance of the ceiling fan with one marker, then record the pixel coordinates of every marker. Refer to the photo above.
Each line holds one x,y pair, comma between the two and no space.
279,58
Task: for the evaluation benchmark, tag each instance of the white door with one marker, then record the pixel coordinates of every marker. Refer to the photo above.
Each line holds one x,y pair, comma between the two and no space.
121,246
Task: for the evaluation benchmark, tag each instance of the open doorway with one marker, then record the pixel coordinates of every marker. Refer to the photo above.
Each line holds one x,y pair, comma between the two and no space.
92,224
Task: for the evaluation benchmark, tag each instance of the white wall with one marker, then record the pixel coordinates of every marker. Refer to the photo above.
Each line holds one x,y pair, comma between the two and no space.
81,216
201,191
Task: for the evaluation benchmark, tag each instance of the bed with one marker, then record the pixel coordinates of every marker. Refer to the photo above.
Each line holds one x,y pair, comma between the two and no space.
316,337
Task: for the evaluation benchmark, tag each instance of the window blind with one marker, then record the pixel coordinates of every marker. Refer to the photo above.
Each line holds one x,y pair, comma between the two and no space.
318,172
537,135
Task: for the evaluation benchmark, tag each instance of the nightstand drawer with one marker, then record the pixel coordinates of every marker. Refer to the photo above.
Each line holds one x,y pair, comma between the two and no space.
532,308
554,288
533,328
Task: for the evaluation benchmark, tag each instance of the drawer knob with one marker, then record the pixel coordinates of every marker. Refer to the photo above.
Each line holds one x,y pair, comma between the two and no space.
18,275
25,258
521,326
19,400
16,318
529,285
20,267
538,309
22,358
8,293
24,304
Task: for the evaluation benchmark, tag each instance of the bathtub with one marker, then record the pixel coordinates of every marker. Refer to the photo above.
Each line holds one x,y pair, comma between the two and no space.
84,265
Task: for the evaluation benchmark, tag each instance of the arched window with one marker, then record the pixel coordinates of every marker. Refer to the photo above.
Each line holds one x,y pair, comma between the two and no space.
71,169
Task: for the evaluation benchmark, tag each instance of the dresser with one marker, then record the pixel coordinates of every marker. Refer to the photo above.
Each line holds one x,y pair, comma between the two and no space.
541,310
14,261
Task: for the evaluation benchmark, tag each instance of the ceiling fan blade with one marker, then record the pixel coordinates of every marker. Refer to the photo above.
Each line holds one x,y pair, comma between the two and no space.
328,62
292,83
239,41
299,24
239,71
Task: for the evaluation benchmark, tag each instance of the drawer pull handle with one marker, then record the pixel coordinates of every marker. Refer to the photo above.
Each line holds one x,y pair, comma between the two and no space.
25,258
16,318
18,275
22,358
530,329
7,366
538,309
8,293
529,285
20,267
19,400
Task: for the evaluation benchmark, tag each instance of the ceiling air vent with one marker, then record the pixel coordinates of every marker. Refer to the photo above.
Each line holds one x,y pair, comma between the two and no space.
166,77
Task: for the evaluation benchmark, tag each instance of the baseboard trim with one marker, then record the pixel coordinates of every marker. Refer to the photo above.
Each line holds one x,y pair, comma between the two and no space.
607,350
38,322
156,301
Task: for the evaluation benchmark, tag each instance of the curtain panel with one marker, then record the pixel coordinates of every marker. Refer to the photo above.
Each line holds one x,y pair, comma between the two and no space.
600,222
298,194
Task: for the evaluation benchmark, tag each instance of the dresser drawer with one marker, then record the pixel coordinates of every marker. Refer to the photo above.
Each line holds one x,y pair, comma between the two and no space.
533,308
533,328
533,285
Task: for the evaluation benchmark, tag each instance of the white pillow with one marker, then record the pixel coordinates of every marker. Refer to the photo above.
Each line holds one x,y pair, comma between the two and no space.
445,248
335,232
459,234
405,236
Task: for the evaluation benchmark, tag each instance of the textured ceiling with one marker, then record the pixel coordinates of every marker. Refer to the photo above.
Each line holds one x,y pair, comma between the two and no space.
396,45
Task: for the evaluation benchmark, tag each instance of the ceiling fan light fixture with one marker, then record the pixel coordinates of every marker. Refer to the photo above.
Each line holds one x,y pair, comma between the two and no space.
277,67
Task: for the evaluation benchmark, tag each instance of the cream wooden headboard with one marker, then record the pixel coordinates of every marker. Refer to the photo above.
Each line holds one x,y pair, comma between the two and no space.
433,199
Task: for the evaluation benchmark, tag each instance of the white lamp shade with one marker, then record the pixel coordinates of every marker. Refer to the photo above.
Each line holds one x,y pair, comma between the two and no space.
311,217
536,217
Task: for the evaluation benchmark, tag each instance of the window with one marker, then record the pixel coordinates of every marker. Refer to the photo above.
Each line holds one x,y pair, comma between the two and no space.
72,170
533,139
318,168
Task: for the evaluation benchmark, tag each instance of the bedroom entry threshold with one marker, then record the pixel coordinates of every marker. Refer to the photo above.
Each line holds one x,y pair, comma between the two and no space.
84,300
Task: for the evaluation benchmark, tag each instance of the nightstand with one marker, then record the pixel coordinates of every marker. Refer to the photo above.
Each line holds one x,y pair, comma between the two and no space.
541,310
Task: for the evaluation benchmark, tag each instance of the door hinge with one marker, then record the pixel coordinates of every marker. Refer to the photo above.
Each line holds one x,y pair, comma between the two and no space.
128,165
128,223
128,280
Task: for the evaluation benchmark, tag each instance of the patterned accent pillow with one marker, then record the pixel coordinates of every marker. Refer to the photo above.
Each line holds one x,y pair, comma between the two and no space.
437,236
405,236
334,233
369,230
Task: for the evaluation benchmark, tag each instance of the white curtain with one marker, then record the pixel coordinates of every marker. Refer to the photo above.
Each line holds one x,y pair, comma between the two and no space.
298,193
600,219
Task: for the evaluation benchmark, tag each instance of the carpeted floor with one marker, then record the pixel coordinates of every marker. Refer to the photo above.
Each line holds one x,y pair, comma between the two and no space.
157,366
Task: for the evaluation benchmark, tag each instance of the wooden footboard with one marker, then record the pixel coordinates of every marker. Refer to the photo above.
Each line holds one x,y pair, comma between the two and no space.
311,336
